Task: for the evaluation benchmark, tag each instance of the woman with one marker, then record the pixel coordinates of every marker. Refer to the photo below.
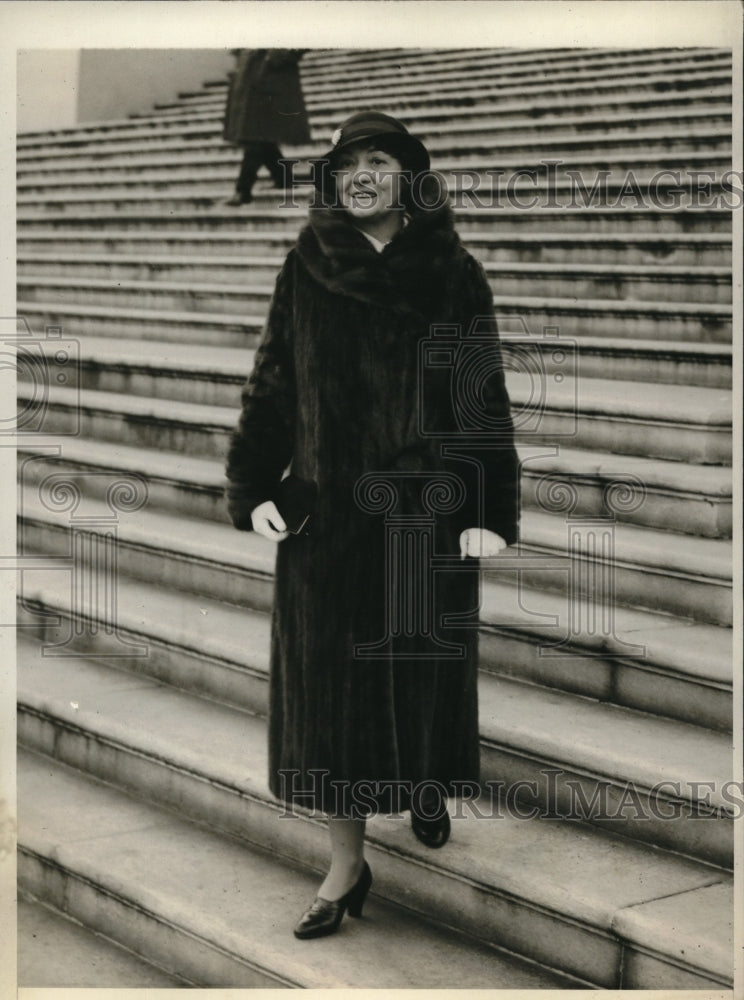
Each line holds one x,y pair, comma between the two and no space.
364,713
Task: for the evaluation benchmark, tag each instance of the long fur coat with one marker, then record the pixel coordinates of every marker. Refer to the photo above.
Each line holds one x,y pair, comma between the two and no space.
340,391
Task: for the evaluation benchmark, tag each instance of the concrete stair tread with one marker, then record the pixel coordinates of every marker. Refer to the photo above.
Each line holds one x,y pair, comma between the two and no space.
569,85
193,290
683,404
165,355
227,361
494,115
613,163
57,952
654,473
546,532
216,214
607,740
469,119
160,722
129,312
234,262
204,473
644,546
476,138
240,236
208,541
401,92
686,648
633,248
241,900
578,876
646,306
428,60
694,650
708,906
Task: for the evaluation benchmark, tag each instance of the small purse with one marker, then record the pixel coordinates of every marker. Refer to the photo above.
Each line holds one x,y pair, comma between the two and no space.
295,500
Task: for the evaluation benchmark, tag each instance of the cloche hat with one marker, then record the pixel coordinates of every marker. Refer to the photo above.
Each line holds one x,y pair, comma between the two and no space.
362,125
373,124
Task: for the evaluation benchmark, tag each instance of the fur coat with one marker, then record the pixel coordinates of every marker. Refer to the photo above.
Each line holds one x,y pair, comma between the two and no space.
336,392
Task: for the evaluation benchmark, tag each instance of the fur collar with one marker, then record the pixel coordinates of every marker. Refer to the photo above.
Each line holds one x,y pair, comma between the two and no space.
411,274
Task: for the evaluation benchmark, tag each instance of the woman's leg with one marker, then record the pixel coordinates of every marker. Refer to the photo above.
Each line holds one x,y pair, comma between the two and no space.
347,856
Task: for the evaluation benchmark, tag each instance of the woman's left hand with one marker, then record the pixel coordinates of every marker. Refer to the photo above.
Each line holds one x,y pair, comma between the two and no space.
477,542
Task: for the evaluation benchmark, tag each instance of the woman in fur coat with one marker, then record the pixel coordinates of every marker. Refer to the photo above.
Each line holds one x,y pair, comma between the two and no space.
379,381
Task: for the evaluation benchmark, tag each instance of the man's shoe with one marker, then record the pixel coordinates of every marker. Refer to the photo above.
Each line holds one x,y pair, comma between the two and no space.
238,199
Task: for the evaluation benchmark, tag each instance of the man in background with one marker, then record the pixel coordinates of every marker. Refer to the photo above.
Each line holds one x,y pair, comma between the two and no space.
265,106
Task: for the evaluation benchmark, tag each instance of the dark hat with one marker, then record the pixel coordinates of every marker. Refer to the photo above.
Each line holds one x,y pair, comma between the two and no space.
374,124
394,137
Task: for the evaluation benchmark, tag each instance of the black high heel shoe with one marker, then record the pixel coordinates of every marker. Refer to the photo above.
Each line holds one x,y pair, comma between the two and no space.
433,832
324,916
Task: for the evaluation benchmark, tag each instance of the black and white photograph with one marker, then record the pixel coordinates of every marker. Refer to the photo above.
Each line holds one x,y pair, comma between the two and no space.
372,381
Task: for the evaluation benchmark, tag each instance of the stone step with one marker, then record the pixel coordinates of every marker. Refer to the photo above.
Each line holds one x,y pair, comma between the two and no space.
675,496
623,108
684,498
597,92
213,375
674,574
649,662
639,146
659,282
220,911
632,565
613,103
60,297
647,75
58,952
584,217
325,62
577,890
449,83
148,324
485,177
590,66
130,730
387,65
184,483
493,119
627,249
686,423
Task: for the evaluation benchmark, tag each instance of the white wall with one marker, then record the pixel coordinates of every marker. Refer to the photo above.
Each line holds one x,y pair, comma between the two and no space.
60,87
47,94
116,82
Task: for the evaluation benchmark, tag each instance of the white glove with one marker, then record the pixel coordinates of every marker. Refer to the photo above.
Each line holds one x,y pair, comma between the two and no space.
267,521
477,542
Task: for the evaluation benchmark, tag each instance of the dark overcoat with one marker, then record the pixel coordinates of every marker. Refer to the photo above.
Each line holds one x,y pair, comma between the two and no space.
338,392
265,101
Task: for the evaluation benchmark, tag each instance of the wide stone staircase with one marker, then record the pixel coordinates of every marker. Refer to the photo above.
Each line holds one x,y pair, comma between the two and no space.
606,661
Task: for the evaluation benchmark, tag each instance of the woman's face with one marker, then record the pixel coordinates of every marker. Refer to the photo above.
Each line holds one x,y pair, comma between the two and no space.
368,182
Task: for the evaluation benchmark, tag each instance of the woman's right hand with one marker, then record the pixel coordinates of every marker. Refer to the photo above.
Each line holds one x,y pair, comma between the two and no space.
267,521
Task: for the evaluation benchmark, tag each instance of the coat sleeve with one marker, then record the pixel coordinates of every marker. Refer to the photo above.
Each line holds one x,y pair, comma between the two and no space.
261,445
494,450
